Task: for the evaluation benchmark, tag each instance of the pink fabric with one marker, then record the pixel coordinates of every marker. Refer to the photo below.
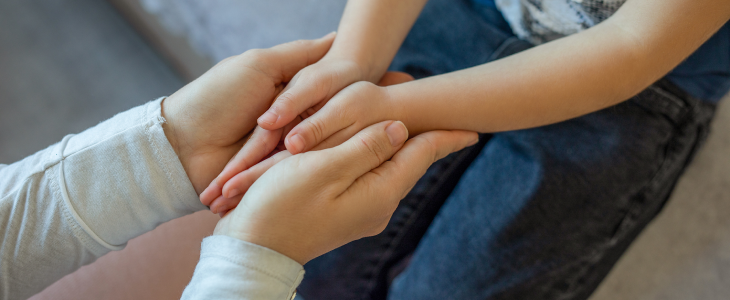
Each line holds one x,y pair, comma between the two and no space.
156,265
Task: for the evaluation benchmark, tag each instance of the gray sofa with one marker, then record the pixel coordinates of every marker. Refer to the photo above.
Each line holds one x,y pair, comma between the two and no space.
683,254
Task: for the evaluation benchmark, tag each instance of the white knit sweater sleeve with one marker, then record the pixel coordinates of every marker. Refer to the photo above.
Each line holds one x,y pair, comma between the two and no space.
233,269
75,201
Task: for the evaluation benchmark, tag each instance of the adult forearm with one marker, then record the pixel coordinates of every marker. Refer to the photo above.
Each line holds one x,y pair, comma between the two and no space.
371,31
553,82
73,202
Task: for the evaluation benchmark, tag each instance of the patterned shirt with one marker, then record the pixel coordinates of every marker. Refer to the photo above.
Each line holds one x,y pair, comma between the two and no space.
541,21
705,74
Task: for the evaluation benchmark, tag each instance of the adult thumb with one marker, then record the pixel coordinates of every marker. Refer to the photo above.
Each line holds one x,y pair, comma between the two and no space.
367,149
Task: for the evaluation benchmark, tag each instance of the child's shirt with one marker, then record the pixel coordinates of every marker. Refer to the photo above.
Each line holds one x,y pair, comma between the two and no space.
541,21
704,75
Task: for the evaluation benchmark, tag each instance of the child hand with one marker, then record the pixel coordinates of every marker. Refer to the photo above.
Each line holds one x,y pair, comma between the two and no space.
306,92
310,88
239,174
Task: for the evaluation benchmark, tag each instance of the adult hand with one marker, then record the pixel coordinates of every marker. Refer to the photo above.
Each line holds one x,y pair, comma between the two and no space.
234,181
208,119
354,108
311,203
308,91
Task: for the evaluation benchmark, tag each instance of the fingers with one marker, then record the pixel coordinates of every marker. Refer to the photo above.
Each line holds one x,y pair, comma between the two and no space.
239,184
327,121
261,143
360,103
392,180
290,58
221,205
311,86
363,152
366,150
314,130
417,155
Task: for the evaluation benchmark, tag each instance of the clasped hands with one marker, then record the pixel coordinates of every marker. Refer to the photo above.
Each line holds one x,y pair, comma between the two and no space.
347,160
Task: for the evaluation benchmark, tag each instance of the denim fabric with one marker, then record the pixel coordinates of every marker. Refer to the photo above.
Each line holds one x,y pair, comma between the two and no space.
541,213
706,73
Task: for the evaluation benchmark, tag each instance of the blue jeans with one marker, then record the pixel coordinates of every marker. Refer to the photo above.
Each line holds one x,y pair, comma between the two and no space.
541,213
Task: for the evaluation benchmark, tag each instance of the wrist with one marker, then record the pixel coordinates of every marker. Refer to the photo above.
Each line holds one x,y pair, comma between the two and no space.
229,227
397,109
169,127
358,65
173,132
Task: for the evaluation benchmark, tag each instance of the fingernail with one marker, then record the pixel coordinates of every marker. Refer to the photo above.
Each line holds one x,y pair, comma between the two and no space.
268,118
474,142
297,142
397,133
329,34
233,193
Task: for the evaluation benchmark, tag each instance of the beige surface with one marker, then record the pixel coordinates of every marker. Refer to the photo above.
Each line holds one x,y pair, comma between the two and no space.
685,252
156,265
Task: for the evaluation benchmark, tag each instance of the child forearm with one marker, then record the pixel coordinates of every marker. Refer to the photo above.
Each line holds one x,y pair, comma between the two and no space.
566,78
556,81
371,31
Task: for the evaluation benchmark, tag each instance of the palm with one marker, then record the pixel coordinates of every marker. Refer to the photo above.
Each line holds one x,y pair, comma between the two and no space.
214,132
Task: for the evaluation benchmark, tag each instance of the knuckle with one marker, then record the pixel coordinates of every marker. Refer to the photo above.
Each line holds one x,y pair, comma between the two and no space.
316,129
286,99
309,74
375,149
344,112
318,81
429,146
365,92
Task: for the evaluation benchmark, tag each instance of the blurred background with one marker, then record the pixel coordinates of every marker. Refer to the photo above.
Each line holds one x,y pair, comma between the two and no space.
66,65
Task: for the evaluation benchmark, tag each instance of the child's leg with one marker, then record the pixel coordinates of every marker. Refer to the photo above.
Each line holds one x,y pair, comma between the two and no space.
544,213
483,241
449,35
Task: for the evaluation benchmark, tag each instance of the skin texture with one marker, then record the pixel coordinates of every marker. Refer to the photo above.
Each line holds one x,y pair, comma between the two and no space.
359,182
245,168
334,196
553,82
208,119
353,57
563,79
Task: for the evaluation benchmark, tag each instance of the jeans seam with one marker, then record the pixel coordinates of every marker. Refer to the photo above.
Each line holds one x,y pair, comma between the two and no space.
651,188
682,128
